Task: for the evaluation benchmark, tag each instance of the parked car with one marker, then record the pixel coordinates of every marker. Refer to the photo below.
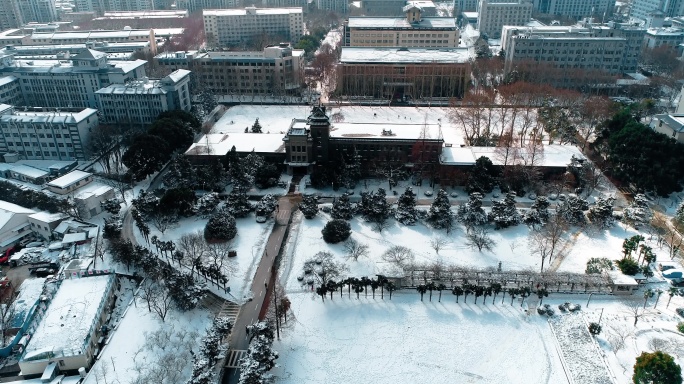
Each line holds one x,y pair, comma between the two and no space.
261,219
675,276
45,272
428,193
667,265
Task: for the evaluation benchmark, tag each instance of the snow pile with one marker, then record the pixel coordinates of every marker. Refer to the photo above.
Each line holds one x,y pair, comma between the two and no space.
581,356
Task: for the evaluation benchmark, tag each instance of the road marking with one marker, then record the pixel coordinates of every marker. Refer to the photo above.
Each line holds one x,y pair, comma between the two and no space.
261,293
256,307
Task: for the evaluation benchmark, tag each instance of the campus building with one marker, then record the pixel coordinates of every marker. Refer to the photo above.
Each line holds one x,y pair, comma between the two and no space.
29,36
46,135
15,13
575,8
656,37
140,102
276,70
412,30
196,5
102,6
403,74
642,9
493,15
226,27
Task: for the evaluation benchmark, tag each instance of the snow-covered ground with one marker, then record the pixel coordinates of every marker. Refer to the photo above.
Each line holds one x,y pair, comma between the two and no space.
249,243
408,341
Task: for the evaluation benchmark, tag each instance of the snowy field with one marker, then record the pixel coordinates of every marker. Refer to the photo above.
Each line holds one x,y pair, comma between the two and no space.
249,244
408,341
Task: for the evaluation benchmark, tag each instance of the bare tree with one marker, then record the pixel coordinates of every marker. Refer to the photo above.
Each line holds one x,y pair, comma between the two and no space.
636,309
120,182
194,247
617,337
8,311
355,249
218,254
163,221
162,303
399,255
171,350
149,290
438,243
478,237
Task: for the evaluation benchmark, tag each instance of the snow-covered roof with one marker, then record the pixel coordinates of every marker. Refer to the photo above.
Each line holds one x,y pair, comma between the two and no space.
621,279
47,217
7,79
219,144
258,11
384,131
91,190
74,237
30,172
404,55
29,293
51,117
69,179
401,23
8,210
69,317
178,75
554,155
674,121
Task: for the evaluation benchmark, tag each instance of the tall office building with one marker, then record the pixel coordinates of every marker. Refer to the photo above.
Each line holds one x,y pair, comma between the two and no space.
495,14
233,26
641,9
102,6
575,8
15,13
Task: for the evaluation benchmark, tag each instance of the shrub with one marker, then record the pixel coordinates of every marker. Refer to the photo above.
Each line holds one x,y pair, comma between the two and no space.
594,328
628,266
220,227
680,326
336,231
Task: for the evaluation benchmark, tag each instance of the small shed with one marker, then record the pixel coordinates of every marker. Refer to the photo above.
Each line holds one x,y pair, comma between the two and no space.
622,284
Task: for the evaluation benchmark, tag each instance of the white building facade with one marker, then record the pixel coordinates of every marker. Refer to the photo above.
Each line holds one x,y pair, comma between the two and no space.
494,15
47,135
225,27
575,8
641,9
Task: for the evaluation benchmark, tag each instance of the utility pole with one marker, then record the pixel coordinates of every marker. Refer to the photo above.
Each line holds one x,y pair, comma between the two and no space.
275,303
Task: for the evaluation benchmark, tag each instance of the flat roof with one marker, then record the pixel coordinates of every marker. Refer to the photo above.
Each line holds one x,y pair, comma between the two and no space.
47,217
69,179
404,55
553,155
259,11
30,291
221,143
384,131
69,317
48,117
402,23
29,171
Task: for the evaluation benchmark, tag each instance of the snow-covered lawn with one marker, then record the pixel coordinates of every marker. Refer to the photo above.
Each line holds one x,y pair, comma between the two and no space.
408,341
249,244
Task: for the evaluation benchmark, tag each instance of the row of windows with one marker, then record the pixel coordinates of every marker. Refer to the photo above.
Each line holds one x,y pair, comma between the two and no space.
34,144
48,154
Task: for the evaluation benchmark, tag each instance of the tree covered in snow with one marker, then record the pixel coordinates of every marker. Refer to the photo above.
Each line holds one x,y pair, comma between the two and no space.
366,204
482,176
185,291
206,205
260,359
112,206
679,215
538,214
256,127
266,176
146,203
342,208
266,205
350,169
572,210
324,268
601,213
406,208
211,351
378,210
220,227
471,212
309,206
440,215
638,212
335,231
504,214
237,203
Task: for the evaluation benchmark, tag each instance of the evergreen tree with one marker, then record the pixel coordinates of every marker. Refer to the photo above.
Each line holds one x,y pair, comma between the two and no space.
656,368
256,127
572,210
471,213
440,215
601,213
639,213
266,205
538,214
350,169
220,227
237,203
336,231
309,206
679,215
342,208
366,206
406,208
482,176
379,207
504,214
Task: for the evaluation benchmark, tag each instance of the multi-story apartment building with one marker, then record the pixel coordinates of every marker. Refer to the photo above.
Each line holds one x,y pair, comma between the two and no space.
641,9
461,6
633,37
495,14
275,70
566,62
285,3
412,30
53,135
15,13
30,37
382,7
403,73
69,83
575,8
233,26
197,5
10,91
141,101
656,37
102,6
340,6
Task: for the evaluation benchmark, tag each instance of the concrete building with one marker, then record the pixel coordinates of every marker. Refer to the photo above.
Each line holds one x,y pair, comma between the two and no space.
461,6
68,84
67,336
141,101
412,30
493,15
402,74
226,27
575,8
656,37
641,9
141,19
10,16
671,125
382,7
47,135
102,6
43,223
196,5
31,37
113,51
275,70
340,6
88,200
70,182
10,91
14,224
15,13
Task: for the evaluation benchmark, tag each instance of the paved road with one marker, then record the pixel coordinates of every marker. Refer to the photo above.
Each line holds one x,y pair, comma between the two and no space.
261,286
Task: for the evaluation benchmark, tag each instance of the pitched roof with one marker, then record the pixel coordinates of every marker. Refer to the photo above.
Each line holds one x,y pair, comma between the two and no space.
89,54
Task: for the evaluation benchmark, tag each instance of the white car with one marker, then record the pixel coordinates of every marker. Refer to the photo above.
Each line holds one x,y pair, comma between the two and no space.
261,219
